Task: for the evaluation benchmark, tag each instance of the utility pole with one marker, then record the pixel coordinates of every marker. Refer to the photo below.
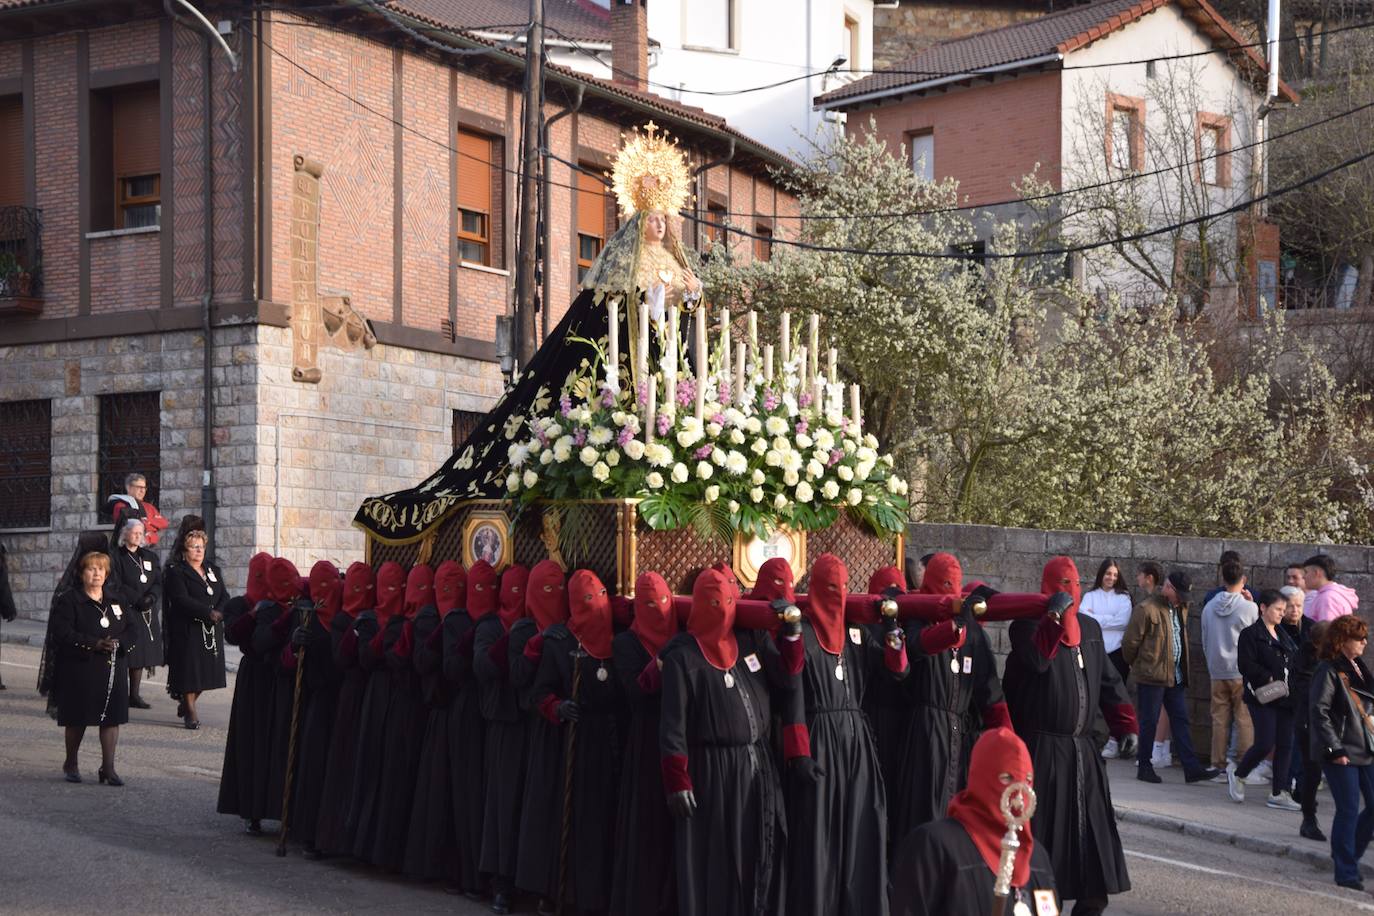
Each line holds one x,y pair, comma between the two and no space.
529,186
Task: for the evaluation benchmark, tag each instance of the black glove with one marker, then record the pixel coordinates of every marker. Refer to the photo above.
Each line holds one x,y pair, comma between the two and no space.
567,711
1129,744
304,605
557,631
1060,602
807,769
299,637
968,614
789,615
682,804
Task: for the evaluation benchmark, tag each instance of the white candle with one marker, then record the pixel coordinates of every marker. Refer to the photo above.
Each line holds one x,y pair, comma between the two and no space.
642,351
753,329
786,337
818,396
767,363
854,407
701,361
651,413
741,353
613,344
814,339
832,358
801,367
725,343
670,362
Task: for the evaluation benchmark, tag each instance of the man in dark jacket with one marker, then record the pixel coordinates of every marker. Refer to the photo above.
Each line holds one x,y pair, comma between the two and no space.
7,611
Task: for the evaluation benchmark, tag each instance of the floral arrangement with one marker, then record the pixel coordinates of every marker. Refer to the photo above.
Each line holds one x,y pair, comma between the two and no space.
746,450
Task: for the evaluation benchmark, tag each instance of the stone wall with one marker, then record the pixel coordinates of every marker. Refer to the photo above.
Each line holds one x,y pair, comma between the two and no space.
904,31
1011,559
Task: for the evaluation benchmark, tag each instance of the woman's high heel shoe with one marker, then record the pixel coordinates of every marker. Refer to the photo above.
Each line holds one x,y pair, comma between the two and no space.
110,777
72,775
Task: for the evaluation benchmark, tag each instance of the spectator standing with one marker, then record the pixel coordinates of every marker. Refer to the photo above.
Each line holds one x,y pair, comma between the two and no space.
1109,603
1156,646
132,504
1310,769
195,603
1265,654
136,581
1295,576
1148,578
7,611
1342,707
1225,615
1327,599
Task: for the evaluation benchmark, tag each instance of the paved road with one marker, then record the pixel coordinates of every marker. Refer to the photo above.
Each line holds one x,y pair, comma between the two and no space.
157,845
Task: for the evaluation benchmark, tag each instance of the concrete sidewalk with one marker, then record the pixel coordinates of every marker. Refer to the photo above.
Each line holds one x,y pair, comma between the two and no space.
26,632
1205,811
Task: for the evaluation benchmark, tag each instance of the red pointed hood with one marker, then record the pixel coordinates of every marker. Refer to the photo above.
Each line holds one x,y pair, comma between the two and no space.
391,582
885,578
483,588
654,621
712,618
283,581
419,589
256,589
514,590
450,586
359,589
1061,575
589,615
775,580
326,590
828,588
546,594
944,576
997,754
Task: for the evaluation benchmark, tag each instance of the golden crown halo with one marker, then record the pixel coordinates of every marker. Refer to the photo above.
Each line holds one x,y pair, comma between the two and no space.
650,173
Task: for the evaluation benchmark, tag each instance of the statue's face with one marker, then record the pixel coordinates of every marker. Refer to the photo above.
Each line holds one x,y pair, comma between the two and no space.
655,226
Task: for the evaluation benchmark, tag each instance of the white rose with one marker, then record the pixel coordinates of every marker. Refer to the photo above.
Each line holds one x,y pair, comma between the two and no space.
546,457
718,456
833,418
589,455
804,492
824,440
634,450
618,418
887,459
856,496
513,482
846,472
704,470
680,473
779,502
849,446
733,416
776,426
815,469
863,469
756,494
553,430
894,485
712,493
736,437
530,479
734,506
757,478
790,478
904,486
782,444
792,461
803,440
713,429
601,471
736,463
561,452
658,454
830,489
517,454
565,441
752,425
870,440
612,457
759,447
689,433
654,480
773,458
864,453
821,455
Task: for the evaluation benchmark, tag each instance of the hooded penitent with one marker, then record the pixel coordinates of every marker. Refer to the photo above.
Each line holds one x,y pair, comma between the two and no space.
256,589
419,588
326,590
359,588
450,587
391,580
483,590
825,609
589,615
774,581
943,576
712,619
514,588
654,621
546,595
283,581
885,578
1061,575
999,759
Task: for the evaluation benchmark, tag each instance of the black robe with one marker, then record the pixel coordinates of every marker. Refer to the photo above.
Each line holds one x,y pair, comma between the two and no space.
135,580
1052,703
505,748
467,746
92,687
937,871
195,657
270,638
367,766
541,812
242,782
837,828
431,840
645,883
730,854
330,833
401,739
939,709
319,697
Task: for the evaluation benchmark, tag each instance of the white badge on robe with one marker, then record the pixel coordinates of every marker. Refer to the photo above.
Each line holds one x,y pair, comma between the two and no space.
147,565
968,664
118,611
751,661
856,636
210,574
1044,903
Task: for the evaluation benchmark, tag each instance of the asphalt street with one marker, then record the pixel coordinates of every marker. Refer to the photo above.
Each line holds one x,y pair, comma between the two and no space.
157,845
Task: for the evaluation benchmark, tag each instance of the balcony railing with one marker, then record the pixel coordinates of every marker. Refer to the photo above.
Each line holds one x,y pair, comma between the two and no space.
21,259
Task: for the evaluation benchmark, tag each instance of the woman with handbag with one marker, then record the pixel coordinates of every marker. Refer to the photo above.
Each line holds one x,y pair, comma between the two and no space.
1265,654
1342,713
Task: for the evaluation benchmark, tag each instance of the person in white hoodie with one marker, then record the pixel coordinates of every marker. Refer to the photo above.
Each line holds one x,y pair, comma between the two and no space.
1223,618
1109,603
1326,599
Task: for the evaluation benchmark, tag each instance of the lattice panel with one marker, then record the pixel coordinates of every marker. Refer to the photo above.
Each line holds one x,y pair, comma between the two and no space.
863,552
676,555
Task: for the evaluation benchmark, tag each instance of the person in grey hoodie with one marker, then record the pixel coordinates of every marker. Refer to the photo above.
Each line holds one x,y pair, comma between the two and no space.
1223,618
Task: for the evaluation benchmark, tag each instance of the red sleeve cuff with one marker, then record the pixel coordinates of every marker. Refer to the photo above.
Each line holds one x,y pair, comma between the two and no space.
534,649
1047,637
651,678
675,775
895,659
796,741
1120,720
996,716
941,636
548,708
793,653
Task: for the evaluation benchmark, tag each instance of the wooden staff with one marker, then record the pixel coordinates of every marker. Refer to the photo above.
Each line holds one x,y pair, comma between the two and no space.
566,835
291,741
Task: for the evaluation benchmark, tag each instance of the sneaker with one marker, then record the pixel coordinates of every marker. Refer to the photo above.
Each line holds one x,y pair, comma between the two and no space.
1256,778
1221,776
1112,750
1207,775
1147,774
1284,802
1266,769
1161,755
1234,786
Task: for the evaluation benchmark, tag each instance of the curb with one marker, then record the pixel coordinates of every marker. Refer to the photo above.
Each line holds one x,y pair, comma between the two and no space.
1317,855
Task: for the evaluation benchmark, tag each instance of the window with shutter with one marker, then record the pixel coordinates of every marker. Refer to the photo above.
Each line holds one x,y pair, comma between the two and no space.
479,198
763,245
592,226
137,146
12,151
715,225
26,464
465,423
130,442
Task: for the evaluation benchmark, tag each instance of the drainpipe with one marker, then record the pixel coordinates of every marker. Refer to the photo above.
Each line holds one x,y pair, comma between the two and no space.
544,208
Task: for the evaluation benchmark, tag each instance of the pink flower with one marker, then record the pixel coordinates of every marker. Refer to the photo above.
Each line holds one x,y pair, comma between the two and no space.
804,399
801,427
702,453
665,423
580,437
835,455
723,392
607,397
626,434
565,404
642,396
686,391
718,419
770,400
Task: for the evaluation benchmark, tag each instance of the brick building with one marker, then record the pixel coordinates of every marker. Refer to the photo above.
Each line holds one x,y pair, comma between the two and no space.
152,197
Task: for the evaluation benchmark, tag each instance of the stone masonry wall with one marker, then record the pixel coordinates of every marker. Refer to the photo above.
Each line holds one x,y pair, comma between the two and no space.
903,32
1011,559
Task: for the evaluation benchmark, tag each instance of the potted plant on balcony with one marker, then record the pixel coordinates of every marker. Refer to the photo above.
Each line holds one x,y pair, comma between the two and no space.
14,279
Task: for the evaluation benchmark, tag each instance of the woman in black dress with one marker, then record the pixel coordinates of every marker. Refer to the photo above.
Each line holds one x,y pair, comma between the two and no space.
195,601
87,542
88,631
136,581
